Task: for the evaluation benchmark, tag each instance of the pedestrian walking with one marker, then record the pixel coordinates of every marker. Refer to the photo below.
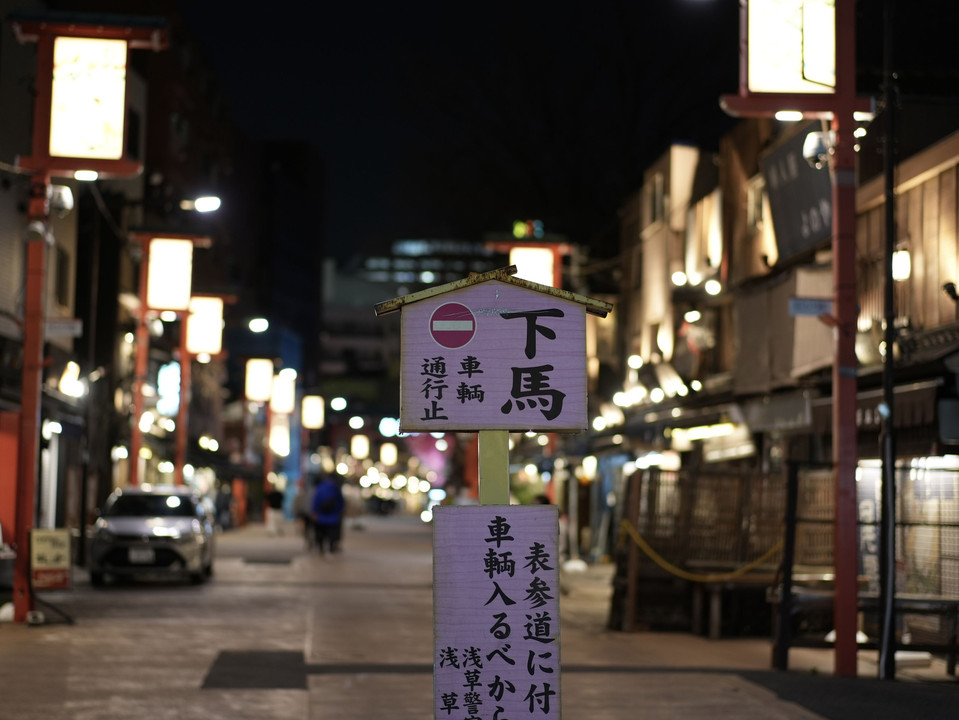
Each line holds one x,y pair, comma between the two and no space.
274,511
303,513
224,506
327,509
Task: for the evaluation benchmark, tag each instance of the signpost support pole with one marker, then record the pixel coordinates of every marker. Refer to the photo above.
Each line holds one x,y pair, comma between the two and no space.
494,467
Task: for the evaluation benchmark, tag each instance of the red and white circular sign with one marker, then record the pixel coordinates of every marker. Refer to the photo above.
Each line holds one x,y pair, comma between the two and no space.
452,325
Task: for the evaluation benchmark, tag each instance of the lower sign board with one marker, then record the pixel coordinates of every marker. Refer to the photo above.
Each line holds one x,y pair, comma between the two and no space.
496,612
50,559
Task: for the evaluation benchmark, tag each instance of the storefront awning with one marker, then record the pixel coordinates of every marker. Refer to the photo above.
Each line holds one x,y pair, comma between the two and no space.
914,405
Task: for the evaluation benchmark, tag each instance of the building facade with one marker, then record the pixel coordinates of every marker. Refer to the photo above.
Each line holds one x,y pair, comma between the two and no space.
747,392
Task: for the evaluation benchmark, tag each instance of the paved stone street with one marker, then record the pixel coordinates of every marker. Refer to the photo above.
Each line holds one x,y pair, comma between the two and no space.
279,634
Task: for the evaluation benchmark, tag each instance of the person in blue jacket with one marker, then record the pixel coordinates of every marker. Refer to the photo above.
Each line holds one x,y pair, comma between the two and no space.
327,508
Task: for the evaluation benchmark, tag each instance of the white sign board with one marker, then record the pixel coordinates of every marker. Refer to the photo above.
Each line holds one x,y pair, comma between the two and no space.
496,612
62,327
50,559
493,356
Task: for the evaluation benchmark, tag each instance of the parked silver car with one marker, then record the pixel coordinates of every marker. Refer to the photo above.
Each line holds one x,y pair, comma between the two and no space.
150,530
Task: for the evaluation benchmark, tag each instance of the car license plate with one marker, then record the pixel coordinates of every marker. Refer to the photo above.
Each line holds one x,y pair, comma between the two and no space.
142,556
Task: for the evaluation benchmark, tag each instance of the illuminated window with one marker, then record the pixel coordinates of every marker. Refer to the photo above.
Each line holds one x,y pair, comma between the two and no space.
654,199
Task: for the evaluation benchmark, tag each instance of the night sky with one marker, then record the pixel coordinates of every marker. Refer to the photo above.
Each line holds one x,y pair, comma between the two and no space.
451,120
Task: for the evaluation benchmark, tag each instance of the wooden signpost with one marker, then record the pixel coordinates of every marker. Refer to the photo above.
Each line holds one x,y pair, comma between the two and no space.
492,354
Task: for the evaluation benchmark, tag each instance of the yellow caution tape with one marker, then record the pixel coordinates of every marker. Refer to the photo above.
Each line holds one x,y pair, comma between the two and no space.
627,526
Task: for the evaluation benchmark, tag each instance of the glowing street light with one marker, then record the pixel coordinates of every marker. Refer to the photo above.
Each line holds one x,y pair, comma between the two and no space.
203,204
259,325
259,380
283,399
201,335
166,281
313,412
78,124
204,325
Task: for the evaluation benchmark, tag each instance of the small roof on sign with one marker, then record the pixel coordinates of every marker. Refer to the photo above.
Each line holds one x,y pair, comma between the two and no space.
143,32
594,307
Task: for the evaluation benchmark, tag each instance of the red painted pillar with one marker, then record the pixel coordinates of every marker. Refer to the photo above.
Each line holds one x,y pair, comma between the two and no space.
31,378
844,386
9,454
140,367
183,411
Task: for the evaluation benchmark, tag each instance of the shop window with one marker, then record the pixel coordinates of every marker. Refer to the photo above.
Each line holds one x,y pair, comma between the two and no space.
654,199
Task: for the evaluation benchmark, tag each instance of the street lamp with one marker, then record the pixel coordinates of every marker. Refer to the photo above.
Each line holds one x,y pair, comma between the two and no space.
78,124
258,385
201,334
312,417
166,279
281,406
313,412
258,388
202,204
780,70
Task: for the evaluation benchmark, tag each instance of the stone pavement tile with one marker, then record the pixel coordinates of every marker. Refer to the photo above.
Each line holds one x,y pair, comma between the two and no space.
669,695
862,698
394,622
371,696
355,632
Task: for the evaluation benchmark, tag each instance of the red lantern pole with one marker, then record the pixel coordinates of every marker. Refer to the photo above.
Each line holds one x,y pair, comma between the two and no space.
845,450
31,379
142,342
183,409
151,34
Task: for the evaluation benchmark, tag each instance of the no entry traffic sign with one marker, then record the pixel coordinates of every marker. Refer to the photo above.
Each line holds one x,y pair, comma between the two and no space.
491,352
452,325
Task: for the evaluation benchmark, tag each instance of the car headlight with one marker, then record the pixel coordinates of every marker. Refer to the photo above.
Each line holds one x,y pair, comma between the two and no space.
167,532
102,531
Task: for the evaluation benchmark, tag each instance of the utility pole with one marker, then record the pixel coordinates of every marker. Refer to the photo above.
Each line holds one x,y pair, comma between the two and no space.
38,235
887,527
838,103
58,149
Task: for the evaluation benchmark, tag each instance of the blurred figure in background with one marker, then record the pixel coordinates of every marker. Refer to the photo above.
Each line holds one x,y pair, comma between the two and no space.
274,510
302,512
224,506
327,510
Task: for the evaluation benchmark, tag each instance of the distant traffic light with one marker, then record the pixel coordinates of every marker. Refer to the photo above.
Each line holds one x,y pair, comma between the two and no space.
528,229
